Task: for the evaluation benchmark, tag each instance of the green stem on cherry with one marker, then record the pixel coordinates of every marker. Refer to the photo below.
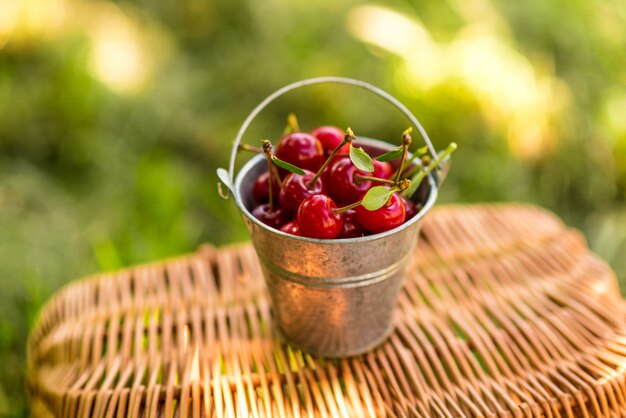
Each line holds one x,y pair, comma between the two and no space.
250,148
424,161
419,153
360,178
292,124
417,179
400,187
272,171
406,142
347,139
267,149
403,185
348,207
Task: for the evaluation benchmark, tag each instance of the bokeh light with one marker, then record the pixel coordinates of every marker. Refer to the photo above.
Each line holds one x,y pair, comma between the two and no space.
9,16
615,113
118,58
25,20
512,94
114,116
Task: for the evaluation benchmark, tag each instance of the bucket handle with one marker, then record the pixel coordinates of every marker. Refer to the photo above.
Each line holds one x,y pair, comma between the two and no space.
227,177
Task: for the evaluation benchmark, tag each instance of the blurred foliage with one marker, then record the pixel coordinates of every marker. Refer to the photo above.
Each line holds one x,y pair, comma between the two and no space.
115,115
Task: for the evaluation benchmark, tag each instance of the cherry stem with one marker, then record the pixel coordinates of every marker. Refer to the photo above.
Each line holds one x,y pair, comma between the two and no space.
347,208
359,179
400,187
267,149
425,160
419,153
347,139
417,179
272,171
292,124
250,148
406,142
403,185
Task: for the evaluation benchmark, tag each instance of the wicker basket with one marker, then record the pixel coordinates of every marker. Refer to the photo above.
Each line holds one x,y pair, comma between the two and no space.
505,313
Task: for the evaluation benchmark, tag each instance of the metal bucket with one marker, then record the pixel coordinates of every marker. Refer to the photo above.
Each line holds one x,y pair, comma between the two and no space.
332,298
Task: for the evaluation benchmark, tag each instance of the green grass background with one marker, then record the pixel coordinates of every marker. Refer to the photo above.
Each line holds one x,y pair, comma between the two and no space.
115,115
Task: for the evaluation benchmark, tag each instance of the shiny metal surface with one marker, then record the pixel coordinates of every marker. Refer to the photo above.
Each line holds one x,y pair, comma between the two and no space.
332,298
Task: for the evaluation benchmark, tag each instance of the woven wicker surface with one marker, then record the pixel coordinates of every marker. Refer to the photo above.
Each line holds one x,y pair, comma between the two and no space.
504,313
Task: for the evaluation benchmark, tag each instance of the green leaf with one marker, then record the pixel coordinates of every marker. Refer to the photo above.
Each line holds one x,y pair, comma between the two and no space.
391,155
289,167
376,197
360,159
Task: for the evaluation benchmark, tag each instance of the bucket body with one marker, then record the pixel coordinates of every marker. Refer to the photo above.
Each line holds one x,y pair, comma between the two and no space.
332,298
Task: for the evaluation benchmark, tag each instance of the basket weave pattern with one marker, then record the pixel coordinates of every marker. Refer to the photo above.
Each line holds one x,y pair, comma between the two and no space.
505,313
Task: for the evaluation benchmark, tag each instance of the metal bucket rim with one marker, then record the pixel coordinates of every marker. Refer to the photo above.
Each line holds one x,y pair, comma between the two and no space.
428,204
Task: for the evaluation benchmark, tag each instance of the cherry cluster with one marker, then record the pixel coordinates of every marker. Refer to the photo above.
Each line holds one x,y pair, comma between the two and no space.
320,185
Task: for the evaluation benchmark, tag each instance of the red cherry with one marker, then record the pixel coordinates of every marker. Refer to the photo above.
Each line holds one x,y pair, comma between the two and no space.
292,228
351,227
296,188
382,170
330,137
302,150
274,217
317,219
329,169
388,217
411,208
261,188
341,183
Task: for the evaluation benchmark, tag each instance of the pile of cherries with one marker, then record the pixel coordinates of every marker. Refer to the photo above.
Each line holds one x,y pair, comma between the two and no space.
319,185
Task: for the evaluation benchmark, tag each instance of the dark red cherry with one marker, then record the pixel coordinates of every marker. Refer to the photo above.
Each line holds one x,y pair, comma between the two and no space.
351,227
388,217
275,217
296,188
330,137
411,208
341,183
292,228
261,188
329,169
302,150
317,219
382,170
